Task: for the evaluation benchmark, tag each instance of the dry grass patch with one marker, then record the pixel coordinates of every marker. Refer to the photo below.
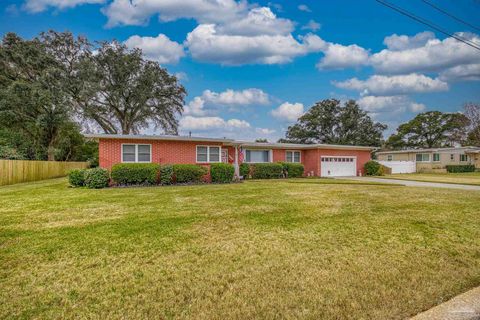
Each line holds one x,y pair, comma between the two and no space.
268,249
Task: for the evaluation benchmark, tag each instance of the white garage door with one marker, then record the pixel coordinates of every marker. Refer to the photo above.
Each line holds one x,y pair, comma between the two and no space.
338,166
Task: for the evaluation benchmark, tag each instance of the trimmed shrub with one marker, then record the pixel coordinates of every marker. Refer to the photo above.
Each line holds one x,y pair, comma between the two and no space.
244,170
76,177
189,173
166,174
460,168
292,170
96,178
267,170
373,168
222,172
135,173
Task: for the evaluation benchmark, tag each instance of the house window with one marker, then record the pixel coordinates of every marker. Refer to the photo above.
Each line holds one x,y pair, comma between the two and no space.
257,156
452,157
389,157
463,158
422,157
208,154
293,156
436,157
136,153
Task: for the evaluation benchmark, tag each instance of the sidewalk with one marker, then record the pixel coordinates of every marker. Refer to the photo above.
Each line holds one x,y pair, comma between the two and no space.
465,306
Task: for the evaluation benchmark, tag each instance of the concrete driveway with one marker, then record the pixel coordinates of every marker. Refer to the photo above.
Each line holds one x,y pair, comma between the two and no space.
410,183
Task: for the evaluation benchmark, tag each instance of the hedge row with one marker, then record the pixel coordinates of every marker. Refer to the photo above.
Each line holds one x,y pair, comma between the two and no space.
95,178
373,168
128,174
460,168
274,170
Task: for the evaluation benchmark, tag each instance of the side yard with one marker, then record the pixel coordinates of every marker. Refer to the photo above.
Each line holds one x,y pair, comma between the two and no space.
300,248
472,178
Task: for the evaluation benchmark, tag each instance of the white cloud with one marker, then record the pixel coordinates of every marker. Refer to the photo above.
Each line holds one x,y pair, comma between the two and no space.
389,104
394,85
338,56
209,123
467,72
232,97
434,56
36,6
265,131
160,48
195,107
205,44
209,101
138,12
403,42
258,21
304,7
312,25
288,111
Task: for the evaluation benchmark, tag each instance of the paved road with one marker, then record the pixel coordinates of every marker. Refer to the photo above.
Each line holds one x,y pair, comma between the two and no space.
463,307
410,183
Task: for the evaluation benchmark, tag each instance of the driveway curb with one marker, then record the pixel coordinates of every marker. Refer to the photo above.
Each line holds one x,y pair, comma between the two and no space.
465,306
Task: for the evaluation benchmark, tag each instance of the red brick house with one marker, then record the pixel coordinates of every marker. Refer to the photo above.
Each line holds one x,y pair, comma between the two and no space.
319,159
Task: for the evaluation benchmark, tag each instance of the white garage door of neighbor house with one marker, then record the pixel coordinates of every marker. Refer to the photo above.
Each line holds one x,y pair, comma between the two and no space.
338,166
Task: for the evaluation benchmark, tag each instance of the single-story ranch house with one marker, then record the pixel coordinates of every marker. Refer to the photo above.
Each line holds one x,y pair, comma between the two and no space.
434,158
318,159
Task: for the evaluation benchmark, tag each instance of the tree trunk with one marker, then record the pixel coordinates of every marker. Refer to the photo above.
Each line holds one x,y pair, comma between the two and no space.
51,152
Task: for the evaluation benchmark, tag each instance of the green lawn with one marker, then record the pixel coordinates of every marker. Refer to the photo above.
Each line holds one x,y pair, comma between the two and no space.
311,248
472,178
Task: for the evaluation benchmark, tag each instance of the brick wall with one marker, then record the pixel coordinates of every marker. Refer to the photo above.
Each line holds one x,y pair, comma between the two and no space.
173,152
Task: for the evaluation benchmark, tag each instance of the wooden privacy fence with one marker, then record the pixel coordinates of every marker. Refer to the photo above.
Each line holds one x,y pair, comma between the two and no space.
16,171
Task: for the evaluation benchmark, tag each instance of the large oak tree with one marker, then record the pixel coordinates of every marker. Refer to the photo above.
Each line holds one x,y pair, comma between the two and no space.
115,87
430,129
330,122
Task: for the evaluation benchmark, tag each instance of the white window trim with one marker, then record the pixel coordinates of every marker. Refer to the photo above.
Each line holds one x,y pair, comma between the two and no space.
208,154
136,152
390,157
429,157
466,158
270,155
433,157
293,157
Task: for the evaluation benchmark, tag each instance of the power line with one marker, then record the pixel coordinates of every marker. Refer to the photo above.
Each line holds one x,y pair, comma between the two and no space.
450,15
428,23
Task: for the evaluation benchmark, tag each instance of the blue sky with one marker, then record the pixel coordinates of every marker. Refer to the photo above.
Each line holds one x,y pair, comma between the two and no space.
251,68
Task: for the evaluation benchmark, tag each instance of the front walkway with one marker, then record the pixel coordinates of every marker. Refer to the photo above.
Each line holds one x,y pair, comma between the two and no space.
462,307
410,183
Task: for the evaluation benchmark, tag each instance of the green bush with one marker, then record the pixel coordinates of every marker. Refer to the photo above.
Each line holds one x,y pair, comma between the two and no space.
373,168
96,178
292,170
135,173
189,173
460,168
222,172
267,170
166,174
244,170
76,177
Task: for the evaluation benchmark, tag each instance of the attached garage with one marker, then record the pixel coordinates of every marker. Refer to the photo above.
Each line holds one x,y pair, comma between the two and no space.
338,166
